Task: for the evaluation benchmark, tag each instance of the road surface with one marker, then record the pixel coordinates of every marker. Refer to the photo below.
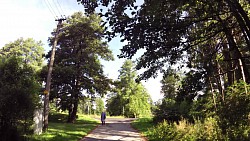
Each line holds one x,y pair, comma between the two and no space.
115,129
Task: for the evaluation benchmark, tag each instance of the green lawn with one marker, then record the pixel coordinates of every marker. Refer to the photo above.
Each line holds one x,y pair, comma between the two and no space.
143,125
59,130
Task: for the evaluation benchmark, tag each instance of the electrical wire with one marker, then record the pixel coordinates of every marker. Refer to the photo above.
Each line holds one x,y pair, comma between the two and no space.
56,7
60,7
50,9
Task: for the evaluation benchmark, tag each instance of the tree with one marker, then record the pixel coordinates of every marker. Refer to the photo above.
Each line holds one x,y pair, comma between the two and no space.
28,50
19,97
20,63
139,102
77,64
167,29
114,106
170,84
234,113
130,98
99,106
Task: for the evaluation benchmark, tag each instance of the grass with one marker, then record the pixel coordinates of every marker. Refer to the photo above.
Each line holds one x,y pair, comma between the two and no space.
143,125
59,130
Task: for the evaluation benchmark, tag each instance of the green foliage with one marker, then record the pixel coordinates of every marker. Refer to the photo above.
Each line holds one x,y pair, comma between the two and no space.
28,50
114,106
130,98
232,122
99,106
173,111
139,105
167,110
19,97
202,108
192,83
207,130
163,131
192,29
234,111
169,84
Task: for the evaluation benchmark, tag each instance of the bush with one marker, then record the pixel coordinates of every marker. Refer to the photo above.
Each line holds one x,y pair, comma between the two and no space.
207,130
173,111
233,112
18,98
184,131
163,131
168,110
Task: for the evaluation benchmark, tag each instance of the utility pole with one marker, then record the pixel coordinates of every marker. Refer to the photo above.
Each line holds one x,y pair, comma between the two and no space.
48,81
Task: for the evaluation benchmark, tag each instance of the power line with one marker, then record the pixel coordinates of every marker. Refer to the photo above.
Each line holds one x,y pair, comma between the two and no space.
50,9
60,7
57,9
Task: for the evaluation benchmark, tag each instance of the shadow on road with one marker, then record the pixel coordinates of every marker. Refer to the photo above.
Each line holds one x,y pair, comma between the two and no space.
115,129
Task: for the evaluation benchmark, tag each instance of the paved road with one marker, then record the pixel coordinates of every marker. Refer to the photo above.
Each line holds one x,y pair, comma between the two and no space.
115,129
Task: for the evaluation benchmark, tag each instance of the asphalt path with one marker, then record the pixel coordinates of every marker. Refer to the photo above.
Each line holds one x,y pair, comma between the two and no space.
115,129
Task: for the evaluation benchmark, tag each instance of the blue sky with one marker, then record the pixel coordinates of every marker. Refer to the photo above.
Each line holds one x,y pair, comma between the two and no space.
34,19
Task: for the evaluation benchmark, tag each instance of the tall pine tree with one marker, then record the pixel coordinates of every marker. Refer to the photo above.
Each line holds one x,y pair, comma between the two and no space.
77,62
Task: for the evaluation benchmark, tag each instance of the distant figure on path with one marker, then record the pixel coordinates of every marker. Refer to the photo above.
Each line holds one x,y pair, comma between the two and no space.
103,117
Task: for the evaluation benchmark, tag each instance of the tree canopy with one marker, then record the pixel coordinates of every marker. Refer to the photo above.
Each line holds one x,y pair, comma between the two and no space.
130,99
19,86
28,50
172,30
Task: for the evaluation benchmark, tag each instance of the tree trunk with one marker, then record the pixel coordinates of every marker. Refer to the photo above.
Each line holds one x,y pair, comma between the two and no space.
242,19
235,51
213,94
70,109
74,102
220,82
73,110
236,5
230,64
72,116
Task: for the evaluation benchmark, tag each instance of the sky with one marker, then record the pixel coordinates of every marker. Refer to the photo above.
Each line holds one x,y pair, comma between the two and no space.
36,19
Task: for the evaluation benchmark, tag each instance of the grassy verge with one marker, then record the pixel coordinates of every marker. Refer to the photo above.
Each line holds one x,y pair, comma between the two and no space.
143,125
59,130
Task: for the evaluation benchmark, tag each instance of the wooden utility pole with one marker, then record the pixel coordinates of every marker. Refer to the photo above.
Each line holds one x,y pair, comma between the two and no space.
48,81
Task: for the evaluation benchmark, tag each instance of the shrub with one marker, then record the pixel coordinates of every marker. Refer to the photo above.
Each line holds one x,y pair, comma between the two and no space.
18,98
233,112
207,130
184,131
163,131
168,110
